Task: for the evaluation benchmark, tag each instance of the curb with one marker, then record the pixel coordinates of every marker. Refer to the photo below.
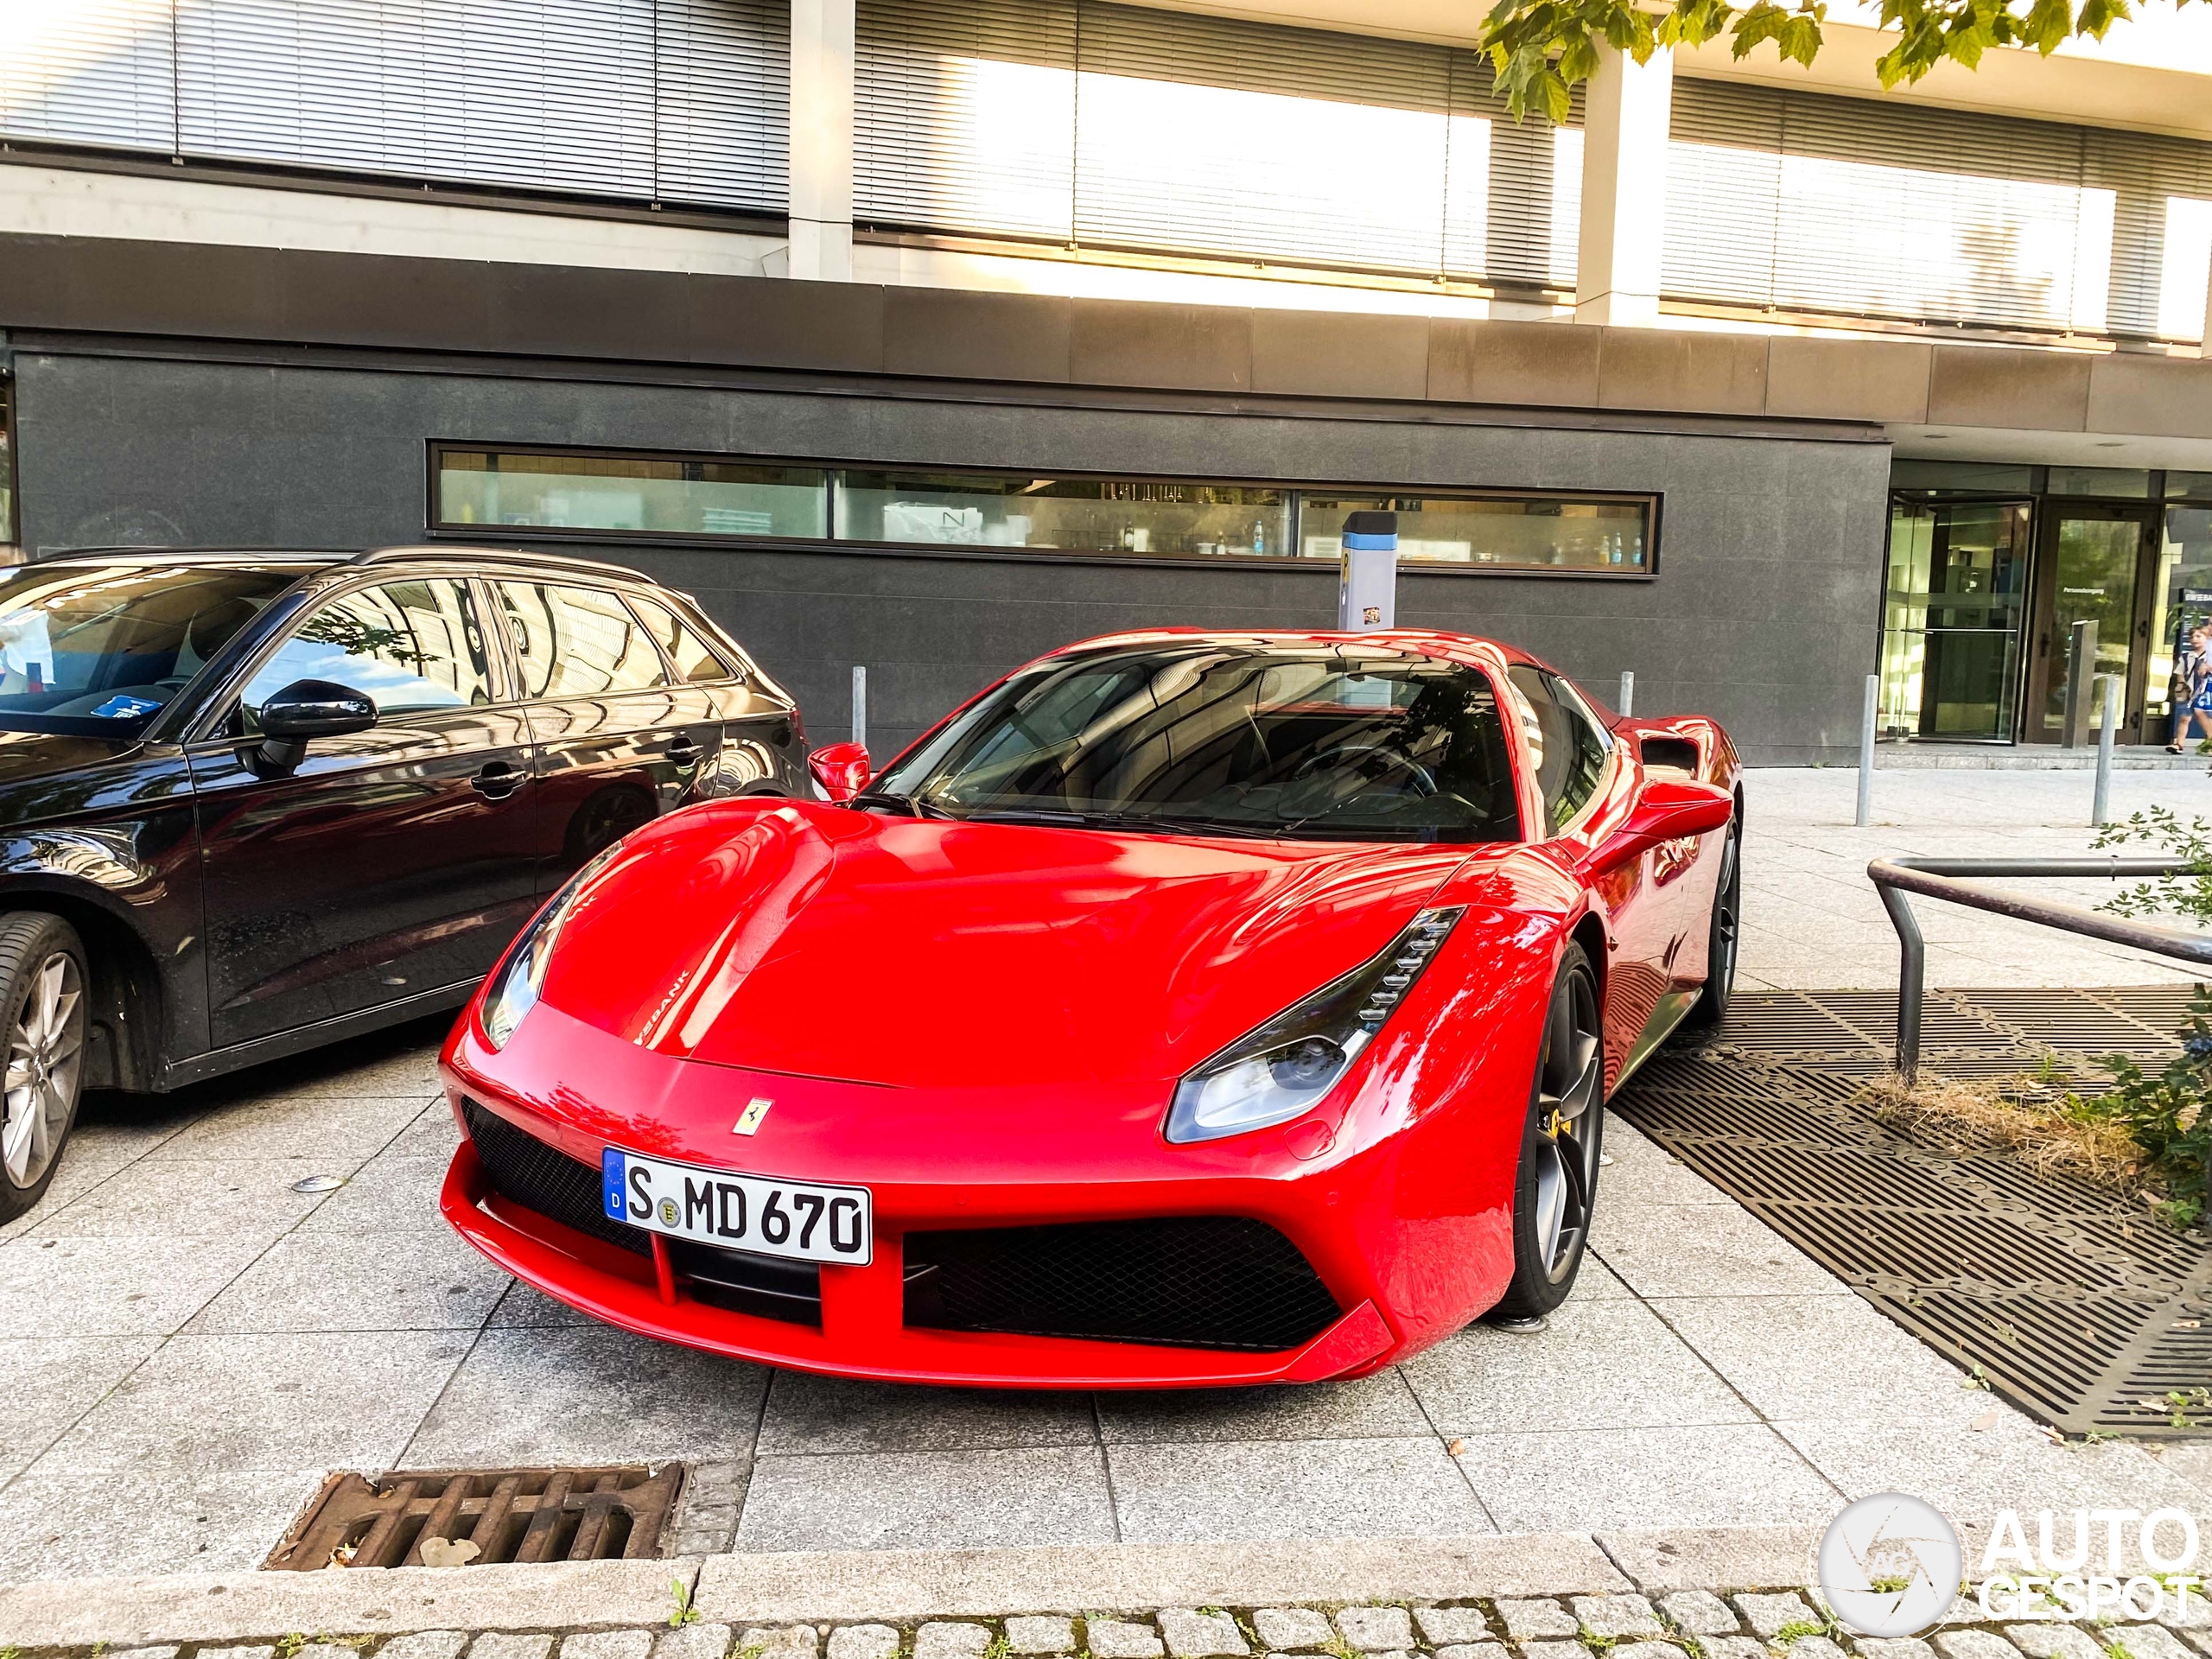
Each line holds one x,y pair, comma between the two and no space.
896,1584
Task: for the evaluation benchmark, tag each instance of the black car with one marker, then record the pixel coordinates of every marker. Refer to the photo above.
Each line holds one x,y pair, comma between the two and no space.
254,802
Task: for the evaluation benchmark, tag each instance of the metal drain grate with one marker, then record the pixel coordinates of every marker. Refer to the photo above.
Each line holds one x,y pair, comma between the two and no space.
508,1515
2084,1312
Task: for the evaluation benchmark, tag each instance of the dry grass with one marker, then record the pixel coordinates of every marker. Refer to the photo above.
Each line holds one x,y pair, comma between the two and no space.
2051,1133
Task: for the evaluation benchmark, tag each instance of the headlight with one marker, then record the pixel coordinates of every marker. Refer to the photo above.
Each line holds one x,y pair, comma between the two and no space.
516,982
1285,1067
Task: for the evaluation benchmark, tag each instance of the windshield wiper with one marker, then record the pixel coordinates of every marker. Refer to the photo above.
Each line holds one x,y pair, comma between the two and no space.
907,805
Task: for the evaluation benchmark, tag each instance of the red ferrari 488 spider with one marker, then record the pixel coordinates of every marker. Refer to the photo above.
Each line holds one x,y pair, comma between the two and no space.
1188,1008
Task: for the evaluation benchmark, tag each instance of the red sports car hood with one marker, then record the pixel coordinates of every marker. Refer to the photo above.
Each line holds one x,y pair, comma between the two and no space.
789,937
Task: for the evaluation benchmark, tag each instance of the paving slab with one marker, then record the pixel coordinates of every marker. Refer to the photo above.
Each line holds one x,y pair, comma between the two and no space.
949,1500
822,1414
1739,1474
1300,1488
355,1283
51,1382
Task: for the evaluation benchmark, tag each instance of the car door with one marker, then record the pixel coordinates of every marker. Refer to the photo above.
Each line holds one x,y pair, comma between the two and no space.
621,739
756,724
384,865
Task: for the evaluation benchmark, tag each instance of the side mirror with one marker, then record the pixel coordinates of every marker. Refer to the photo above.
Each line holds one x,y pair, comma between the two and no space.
842,769
307,709
1666,809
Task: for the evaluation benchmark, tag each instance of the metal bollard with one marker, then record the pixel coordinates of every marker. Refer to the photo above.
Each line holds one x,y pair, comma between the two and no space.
2081,667
1866,750
2107,728
1627,694
860,705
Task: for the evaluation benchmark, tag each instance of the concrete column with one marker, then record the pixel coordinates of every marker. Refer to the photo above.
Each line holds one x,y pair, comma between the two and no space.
1628,105
822,140
2205,349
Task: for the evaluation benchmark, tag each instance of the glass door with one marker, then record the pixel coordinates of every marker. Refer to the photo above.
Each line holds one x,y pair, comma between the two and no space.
1951,617
2092,571
2183,605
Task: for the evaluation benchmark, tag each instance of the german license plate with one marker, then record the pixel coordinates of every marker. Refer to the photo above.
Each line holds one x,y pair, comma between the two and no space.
800,1220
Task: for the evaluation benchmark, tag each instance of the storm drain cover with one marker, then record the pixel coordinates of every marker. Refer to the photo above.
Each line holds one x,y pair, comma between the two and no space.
467,1517
2087,1313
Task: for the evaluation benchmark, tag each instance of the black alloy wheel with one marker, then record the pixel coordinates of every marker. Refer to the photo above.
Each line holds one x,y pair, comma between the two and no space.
1555,1191
43,974
1721,937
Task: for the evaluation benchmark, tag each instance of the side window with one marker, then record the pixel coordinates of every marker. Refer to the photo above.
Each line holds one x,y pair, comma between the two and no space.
412,646
1565,741
577,642
694,661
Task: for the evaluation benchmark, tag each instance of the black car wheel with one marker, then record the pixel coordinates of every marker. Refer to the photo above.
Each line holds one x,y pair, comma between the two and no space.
42,996
1721,940
1555,1191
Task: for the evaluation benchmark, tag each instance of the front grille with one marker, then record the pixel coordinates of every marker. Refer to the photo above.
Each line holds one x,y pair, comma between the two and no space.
526,1171
1192,1282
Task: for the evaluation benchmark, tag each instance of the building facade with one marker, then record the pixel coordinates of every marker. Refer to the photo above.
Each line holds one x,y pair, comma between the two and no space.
927,336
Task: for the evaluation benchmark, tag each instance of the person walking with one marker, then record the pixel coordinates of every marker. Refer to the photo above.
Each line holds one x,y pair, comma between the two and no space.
2189,692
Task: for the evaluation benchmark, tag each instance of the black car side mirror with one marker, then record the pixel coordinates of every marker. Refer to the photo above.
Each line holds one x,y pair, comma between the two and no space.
307,709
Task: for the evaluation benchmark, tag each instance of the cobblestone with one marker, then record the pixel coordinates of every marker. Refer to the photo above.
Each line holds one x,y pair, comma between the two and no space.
1117,1638
1700,1613
1978,1644
692,1642
606,1645
949,1639
1289,1628
1446,1626
864,1642
1473,1650
1646,1650
1767,1614
1617,1615
497,1646
1386,1629
1894,1647
1040,1635
1737,1647
158,1653
2148,1642
1554,1650
2054,1641
1525,1619
249,1652
423,1644
326,1650
1201,1635
1819,1647
781,1640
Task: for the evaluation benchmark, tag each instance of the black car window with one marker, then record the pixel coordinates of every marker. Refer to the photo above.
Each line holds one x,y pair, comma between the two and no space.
1310,741
577,642
410,647
99,648
695,662
1564,740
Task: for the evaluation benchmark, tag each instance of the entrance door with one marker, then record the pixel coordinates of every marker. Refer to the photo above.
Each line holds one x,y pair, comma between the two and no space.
2094,568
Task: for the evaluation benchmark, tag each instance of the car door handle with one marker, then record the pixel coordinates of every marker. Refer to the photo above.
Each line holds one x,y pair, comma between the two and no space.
685,754
497,780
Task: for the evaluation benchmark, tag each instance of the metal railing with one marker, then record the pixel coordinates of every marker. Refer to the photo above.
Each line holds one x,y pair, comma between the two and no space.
1938,878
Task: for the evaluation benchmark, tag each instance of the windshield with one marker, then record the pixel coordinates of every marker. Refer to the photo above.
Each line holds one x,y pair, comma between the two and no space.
1335,742
99,649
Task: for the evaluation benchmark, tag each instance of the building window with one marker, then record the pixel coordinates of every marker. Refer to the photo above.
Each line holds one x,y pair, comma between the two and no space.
632,493
1509,532
1088,515
9,543
599,497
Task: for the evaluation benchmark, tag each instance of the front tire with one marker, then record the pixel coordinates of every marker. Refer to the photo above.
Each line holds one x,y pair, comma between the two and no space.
1556,1190
1722,933
42,978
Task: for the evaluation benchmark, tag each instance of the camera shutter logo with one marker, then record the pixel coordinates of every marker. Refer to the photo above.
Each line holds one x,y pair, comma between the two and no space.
1890,1565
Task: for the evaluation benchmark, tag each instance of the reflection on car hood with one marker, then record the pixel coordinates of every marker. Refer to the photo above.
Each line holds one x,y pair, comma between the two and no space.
790,937
28,759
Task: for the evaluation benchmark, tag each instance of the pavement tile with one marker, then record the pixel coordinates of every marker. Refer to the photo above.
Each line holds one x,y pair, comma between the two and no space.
1704,1250
53,1522
1292,1627
1816,1356
588,1394
873,1641
1642,1171
1450,1626
1973,1644
823,1414
932,1500
50,1381
1376,1630
947,1639
199,1198
305,1131
113,1286
1525,1620
1119,1638
690,1642
1717,1476
389,1195
607,1644
1374,1407
1700,1612
1642,1373
1039,1633
527,1307
1201,1635
1767,1614
1616,1616
425,1644
1302,1489
337,1281
2054,1641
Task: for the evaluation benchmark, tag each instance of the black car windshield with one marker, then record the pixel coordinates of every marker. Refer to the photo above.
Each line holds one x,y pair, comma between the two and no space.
1327,743
97,649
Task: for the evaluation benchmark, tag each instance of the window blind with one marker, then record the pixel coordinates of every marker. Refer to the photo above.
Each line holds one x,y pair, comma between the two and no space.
680,100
